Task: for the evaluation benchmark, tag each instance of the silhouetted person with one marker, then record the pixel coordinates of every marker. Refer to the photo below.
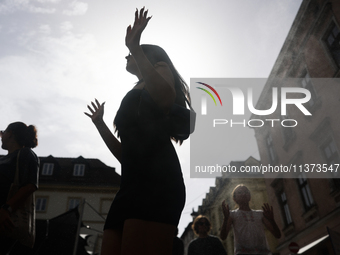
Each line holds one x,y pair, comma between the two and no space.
205,244
178,246
17,139
249,236
146,210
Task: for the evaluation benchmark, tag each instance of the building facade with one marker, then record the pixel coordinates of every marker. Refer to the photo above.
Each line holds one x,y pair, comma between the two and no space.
307,202
65,183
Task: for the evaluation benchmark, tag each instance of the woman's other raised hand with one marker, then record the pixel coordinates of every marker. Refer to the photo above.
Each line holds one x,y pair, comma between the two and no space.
97,111
225,210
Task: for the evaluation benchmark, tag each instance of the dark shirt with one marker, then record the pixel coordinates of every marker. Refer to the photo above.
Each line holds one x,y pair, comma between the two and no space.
178,246
28,171
210,245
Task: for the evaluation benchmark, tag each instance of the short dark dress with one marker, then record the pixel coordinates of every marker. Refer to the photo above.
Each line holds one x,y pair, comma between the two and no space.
152,186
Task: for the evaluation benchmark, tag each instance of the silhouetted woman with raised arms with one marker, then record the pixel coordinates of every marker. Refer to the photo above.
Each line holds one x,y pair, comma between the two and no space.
146,210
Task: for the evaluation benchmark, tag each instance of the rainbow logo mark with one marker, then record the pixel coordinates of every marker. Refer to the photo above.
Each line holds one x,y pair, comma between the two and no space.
209,92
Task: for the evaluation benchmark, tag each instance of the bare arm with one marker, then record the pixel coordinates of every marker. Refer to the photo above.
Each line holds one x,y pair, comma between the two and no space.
158,79
269,221
226,225
97,113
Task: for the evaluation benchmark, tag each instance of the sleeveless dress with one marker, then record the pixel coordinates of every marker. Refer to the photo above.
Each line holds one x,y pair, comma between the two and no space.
152,186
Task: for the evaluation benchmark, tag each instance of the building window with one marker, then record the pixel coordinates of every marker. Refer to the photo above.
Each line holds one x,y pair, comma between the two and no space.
323,137
40,204
306,83
305,191
73,203
330,152
79,170
270,147
332,40
47,169
287,132
287,217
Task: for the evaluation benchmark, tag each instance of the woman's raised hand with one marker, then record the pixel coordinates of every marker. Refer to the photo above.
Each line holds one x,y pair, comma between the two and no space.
268,211
225,210
133,34
97,111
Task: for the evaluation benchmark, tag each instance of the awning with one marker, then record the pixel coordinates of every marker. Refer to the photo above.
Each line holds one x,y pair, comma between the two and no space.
311,245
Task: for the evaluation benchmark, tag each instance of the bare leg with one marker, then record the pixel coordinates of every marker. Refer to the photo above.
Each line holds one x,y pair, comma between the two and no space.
142,237
112,242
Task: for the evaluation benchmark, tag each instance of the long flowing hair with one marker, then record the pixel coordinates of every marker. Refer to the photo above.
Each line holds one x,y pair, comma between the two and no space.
156,54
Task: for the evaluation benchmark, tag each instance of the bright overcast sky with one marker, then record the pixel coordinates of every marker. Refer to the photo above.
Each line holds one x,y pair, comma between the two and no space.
57,55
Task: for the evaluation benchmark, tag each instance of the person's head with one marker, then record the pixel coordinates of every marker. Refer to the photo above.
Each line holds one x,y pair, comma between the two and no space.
156,54
241,194
20,134
201,225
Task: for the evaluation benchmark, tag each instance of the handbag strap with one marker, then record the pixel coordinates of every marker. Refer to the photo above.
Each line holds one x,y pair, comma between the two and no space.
16,178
